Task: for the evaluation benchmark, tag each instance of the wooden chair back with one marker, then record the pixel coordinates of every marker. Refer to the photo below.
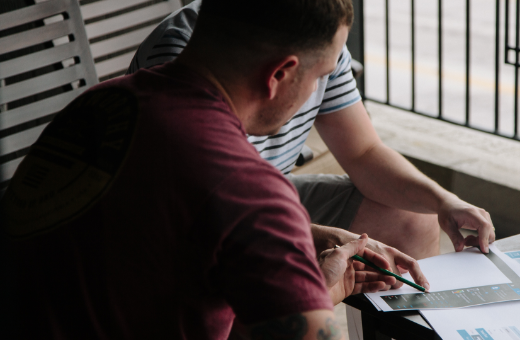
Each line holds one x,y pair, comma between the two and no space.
116,28
45,62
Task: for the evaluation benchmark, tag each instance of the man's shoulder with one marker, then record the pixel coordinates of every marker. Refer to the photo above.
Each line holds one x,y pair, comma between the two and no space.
182,21
168,39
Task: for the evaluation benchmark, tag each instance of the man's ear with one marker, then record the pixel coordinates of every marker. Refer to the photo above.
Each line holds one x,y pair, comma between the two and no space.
280,73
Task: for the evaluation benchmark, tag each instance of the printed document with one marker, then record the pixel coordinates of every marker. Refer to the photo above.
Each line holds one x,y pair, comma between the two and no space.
499,321
467,278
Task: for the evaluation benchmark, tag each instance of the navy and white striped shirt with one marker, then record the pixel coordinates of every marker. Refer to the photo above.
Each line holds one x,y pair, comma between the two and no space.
334,93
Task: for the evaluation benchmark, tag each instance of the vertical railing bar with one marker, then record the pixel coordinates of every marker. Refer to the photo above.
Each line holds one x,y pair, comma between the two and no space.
413,53
387,52
517,65
440,57
497,63
468,46
506,33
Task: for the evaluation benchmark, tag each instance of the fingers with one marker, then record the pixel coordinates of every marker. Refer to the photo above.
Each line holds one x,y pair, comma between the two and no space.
486,233
369,287
455,236
325,253
412,266
378,259
471,241
370,282
460,214
347,250
335,262
356,246
483,240
402,270
364,276
361,266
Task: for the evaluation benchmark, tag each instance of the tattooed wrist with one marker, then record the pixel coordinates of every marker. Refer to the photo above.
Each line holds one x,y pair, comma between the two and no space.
331,331
293,327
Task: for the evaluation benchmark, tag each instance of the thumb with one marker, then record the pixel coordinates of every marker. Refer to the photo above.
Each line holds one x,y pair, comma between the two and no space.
356,246
325,253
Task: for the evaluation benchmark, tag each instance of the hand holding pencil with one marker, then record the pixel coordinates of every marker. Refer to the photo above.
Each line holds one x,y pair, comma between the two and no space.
406,262
353,269
386,272
344,276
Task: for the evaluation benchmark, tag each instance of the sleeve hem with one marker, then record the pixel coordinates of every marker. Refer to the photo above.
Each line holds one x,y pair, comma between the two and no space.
339,107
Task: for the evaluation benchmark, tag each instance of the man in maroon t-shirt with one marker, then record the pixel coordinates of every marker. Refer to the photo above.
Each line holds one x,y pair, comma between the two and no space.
139,213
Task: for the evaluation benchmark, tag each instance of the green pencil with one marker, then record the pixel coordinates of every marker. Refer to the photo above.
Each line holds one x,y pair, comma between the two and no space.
387,272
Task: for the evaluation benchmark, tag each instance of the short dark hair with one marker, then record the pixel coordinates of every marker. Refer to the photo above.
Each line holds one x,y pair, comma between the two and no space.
294,25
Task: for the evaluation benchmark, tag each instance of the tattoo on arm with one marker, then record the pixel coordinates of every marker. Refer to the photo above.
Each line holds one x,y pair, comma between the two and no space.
294,327
331,331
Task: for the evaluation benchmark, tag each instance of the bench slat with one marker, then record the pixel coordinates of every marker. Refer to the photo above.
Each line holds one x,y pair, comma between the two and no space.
32,13
41,83
127,20
39,59
120,42
100,8
20,140
114,65
38,109
35,36
7,169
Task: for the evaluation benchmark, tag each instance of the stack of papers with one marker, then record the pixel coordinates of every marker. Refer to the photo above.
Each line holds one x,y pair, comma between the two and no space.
489,285
464,279
500,321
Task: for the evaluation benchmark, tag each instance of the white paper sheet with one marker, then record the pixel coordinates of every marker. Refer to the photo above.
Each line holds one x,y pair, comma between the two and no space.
499,321
469,268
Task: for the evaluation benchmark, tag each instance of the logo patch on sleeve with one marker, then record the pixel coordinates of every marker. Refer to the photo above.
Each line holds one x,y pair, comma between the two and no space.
73,163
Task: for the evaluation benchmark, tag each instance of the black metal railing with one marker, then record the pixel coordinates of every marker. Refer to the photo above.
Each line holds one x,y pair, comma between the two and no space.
506,43
516,50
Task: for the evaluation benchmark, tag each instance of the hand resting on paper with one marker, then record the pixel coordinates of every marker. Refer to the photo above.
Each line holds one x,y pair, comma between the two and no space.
396,261
455,214
344,276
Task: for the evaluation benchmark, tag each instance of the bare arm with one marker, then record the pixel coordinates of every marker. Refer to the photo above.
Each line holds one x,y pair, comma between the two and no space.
326,237
315,325
385,176
378,171
343,277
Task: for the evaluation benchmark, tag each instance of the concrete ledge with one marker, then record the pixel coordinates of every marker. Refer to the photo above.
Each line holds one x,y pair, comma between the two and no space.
480,168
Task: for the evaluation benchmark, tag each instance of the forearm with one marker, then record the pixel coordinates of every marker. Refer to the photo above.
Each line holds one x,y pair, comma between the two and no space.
380,173
312,325
386,177
327,237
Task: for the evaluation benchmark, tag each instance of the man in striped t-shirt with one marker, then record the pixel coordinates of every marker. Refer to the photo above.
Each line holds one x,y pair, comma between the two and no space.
384,195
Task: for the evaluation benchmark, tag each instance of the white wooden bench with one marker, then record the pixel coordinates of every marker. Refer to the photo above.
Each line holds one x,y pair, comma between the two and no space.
105,35
45,63
115,28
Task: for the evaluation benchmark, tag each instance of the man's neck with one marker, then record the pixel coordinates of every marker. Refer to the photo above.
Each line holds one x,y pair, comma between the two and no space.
233,92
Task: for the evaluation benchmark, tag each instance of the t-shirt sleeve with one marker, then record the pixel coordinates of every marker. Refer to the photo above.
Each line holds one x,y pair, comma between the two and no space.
167,40
267,262
341,88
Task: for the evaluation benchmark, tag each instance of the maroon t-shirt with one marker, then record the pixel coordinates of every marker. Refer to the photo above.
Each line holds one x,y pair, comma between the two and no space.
188,229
